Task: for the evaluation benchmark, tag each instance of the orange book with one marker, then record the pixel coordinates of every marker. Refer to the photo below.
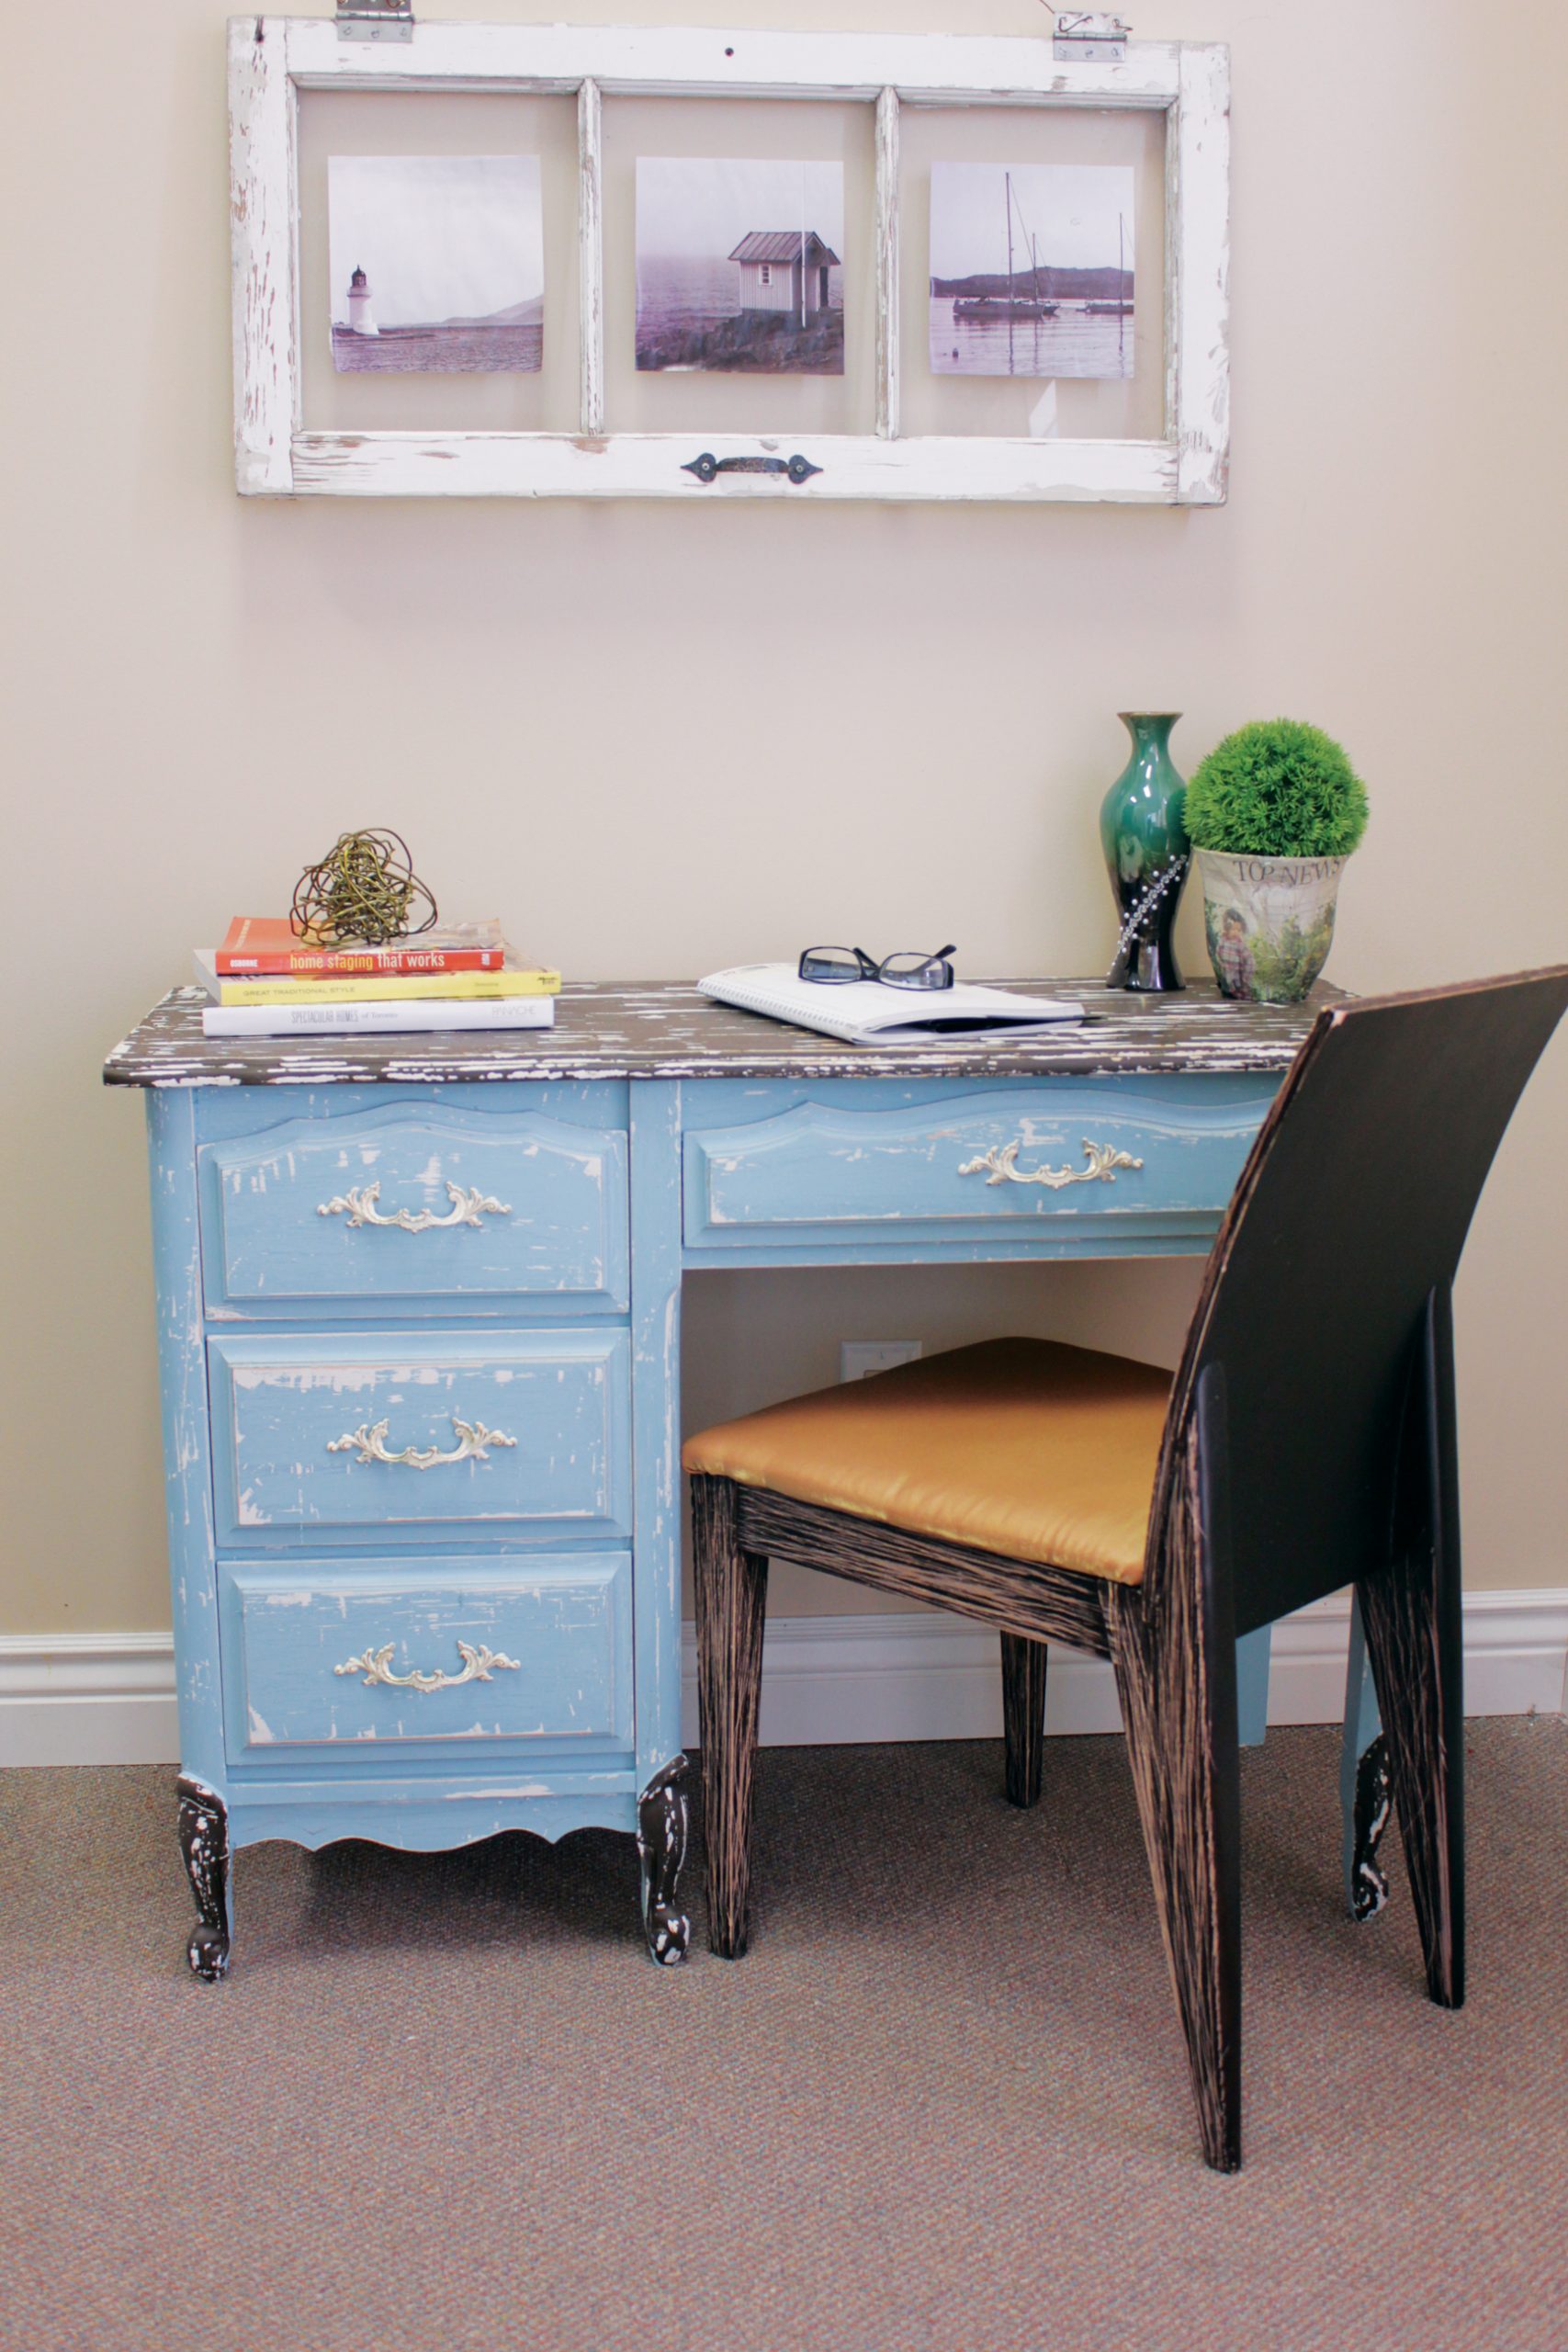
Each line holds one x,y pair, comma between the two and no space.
266,946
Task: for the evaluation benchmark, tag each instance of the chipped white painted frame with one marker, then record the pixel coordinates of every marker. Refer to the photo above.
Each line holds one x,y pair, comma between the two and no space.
271,58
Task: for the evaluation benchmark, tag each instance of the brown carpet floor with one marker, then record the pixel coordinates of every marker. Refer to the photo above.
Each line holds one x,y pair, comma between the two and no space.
444,2101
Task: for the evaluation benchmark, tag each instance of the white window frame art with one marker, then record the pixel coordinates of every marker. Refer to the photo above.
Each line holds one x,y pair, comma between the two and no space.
272,59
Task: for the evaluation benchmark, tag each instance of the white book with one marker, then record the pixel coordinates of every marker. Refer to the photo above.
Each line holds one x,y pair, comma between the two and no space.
869,1012
422,1015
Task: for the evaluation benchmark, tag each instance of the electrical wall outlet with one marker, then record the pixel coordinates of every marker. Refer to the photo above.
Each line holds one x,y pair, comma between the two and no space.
858,1357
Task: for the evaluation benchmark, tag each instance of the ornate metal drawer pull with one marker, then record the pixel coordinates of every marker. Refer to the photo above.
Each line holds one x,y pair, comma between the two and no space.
369,1445
1002,1164
707,466
375,1666
358,1204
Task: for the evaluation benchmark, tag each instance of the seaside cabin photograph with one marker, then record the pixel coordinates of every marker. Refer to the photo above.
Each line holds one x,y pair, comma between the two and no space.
438,263
1031,269
738,266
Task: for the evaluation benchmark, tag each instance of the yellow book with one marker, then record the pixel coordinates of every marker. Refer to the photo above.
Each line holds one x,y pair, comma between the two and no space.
394,988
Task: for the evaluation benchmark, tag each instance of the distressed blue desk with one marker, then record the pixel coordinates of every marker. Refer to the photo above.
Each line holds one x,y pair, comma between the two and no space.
419,1325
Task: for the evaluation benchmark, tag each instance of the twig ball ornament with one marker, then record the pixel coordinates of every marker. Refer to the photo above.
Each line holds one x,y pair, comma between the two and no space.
364,891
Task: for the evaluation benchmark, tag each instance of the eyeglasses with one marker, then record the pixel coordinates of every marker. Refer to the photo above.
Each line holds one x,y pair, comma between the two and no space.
905,970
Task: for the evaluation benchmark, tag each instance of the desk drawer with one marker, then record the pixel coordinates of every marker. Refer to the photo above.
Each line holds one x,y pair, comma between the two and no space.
1055,1156
362,1437
322,1655
378,1207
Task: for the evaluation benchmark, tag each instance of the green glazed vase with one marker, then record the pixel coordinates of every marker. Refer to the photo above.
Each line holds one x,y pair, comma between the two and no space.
1143,836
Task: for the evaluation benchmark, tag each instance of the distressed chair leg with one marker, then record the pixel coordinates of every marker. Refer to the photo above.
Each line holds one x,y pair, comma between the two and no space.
1422,1741
1175,1665
1023,1716
731,1597
1189,1804
1412,1616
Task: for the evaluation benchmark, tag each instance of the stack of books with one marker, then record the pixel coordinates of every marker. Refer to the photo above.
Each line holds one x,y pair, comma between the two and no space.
264,981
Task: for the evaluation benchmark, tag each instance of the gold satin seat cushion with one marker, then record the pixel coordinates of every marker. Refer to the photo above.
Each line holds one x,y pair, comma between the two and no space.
1022,1447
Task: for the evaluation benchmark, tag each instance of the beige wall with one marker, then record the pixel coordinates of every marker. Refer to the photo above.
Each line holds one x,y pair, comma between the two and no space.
553,702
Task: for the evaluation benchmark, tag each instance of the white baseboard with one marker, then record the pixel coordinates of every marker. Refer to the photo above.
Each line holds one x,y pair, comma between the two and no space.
87,1698
109,1698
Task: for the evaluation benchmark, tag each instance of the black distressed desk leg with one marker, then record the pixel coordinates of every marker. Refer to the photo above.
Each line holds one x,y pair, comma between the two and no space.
1366,1801
204,1844
661,1825
1023,1716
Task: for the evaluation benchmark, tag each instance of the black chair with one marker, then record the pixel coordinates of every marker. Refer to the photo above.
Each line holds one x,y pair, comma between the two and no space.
1306,1442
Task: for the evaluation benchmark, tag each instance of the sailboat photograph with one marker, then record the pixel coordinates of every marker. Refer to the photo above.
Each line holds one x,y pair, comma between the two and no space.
1031,269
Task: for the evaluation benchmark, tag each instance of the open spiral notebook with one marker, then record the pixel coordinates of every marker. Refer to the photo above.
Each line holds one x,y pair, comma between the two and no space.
867,1012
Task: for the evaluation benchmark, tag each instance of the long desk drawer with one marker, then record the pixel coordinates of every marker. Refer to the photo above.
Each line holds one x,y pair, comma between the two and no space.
1049,1156
360,1437
324,1655
373,1209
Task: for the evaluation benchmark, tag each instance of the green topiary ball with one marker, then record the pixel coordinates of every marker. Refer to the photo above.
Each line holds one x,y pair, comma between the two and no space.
1277,788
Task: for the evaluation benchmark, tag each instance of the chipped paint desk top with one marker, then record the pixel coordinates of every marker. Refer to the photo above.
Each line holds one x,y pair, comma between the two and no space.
664,1029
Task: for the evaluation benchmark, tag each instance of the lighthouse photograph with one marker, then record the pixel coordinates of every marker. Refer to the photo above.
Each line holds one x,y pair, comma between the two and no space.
438,263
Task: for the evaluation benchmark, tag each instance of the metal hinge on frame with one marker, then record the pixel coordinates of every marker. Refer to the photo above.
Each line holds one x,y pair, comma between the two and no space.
1083,33
375,20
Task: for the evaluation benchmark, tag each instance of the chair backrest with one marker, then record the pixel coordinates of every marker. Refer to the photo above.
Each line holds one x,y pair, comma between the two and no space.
1350,1212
